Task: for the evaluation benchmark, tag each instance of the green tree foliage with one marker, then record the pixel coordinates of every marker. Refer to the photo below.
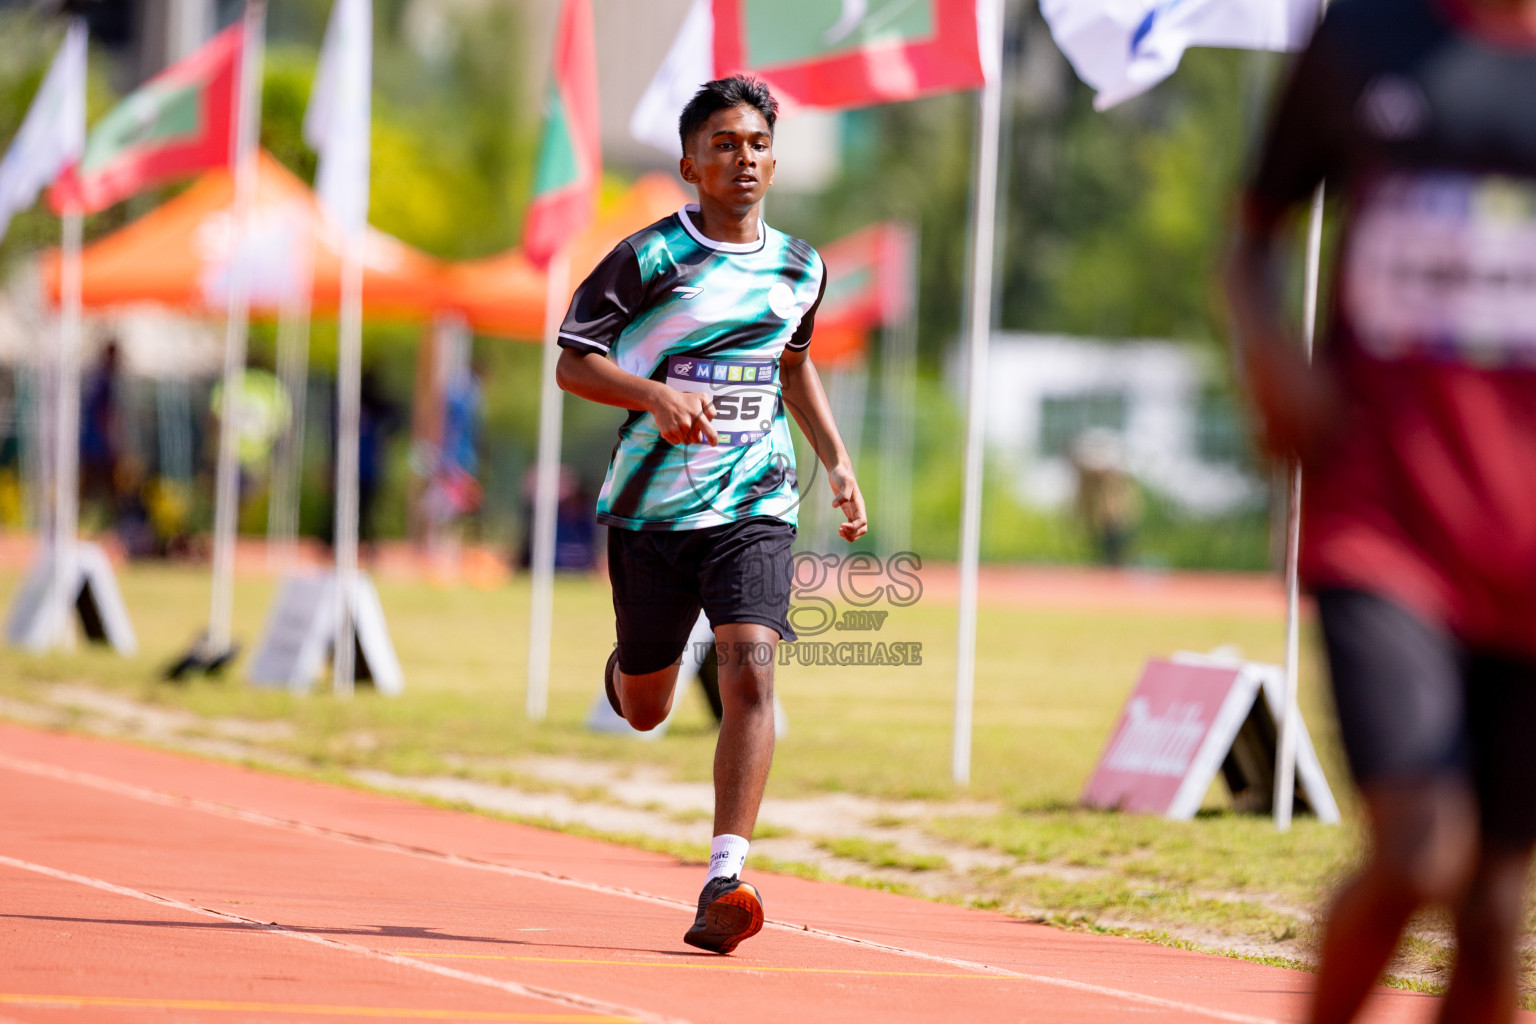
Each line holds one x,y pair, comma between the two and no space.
452,133
1110,225
1120,232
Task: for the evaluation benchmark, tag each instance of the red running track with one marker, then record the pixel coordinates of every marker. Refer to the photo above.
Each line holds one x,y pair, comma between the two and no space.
146,886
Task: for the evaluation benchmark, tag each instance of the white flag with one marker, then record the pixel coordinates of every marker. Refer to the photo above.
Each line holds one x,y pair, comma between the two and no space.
689,64
336,124
53,134
1124,47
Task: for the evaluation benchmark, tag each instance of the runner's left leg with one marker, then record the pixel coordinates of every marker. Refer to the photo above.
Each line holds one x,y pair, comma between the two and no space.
731,910
744,750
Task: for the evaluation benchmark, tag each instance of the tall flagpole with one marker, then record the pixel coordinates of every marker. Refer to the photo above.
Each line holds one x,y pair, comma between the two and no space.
1290,712
293,373
1290,715
218,644
349,368
979,305
541,617
66,478
898,370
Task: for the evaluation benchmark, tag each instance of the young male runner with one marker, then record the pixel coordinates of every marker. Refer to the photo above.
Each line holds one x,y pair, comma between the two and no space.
700,325
1417,429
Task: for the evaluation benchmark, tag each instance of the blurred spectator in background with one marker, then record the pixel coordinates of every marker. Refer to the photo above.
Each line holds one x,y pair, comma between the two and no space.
380,417
1417,429
575,523
1108,504
453,487
134,528
262,413
101,437
576,531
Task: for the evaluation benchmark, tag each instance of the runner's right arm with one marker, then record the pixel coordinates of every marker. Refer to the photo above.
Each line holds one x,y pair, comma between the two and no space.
604,304
1297,401
681,418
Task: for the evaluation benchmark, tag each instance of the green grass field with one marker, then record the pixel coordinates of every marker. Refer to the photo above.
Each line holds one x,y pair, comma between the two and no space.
1049,685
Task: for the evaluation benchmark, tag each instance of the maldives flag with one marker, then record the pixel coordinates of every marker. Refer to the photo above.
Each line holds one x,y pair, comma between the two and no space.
854,53
570,156
868,277
868,285
178,123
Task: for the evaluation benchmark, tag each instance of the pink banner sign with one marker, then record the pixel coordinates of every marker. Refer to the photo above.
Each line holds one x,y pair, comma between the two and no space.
1175,730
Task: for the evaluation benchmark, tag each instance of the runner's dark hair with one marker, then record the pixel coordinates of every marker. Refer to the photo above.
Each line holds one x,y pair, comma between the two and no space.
723,94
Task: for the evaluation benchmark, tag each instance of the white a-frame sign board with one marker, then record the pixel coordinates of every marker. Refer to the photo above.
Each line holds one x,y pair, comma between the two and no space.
1191,717
33,623
301,630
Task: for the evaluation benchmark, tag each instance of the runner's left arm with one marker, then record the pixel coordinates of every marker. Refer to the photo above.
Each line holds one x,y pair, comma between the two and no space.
807,402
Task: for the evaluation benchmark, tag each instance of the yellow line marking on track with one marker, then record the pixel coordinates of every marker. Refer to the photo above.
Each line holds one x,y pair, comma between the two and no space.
138,1003
163,799
709,967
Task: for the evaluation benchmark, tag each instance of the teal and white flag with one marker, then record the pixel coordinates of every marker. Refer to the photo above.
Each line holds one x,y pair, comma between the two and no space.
53,134
337,122
1124,47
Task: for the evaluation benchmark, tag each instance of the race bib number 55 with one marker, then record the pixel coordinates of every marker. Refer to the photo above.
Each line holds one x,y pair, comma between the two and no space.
745,394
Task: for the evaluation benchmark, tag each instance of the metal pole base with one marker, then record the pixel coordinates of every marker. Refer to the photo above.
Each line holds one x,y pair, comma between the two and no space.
201,661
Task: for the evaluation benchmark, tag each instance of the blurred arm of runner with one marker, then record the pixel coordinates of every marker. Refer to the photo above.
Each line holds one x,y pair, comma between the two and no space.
808,404
680,417
1298,402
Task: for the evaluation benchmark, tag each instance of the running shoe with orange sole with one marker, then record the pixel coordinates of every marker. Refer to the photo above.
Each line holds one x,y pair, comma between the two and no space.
730,911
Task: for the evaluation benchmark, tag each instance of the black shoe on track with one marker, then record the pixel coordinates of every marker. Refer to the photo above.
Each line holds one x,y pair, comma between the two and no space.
609,685
730,911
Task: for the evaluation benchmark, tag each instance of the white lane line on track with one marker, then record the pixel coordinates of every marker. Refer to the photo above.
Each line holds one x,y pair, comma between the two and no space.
567,999
152,796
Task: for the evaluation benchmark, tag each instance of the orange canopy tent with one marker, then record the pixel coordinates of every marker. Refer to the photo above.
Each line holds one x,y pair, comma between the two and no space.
178,254
503,295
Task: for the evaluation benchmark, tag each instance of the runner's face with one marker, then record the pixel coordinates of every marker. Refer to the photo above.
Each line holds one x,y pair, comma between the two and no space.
730,159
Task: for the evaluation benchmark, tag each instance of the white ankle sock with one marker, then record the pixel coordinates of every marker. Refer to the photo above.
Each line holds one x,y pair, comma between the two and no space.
727,855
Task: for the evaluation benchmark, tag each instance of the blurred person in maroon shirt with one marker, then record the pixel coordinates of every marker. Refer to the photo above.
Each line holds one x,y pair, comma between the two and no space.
1416,426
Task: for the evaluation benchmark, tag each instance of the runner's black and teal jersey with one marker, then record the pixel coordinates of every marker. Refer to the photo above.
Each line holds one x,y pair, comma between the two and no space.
673,306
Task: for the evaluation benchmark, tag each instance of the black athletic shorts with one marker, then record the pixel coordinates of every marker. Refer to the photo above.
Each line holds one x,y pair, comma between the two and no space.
738,572
1415,704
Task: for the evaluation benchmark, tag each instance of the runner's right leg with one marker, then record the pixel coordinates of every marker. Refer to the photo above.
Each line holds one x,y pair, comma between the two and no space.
1399,690
1423,841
